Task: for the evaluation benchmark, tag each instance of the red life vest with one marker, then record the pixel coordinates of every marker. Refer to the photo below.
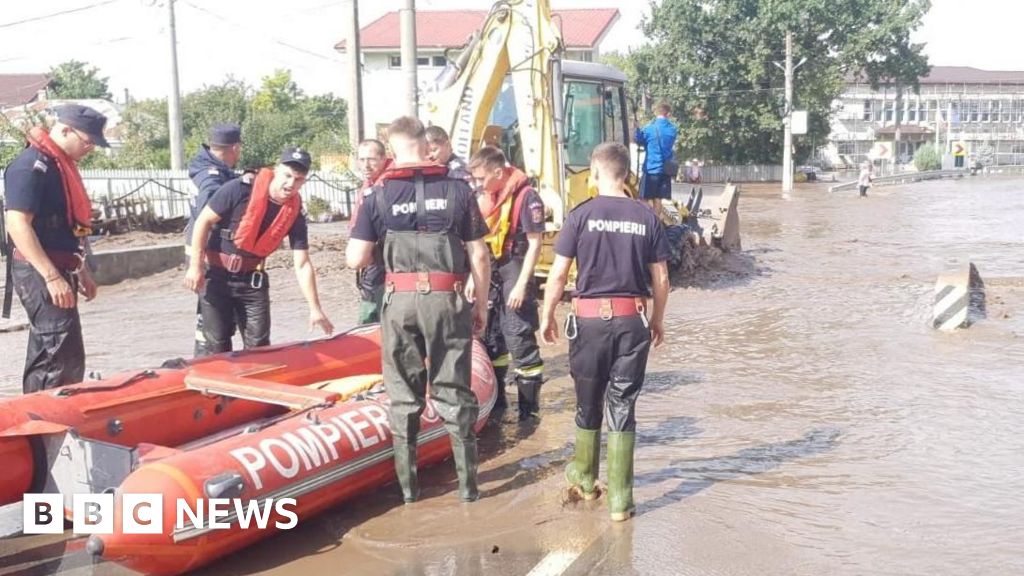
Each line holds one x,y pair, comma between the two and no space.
79,207
409,171
247,236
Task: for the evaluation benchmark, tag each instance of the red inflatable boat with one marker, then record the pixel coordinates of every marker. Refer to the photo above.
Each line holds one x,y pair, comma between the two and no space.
303,426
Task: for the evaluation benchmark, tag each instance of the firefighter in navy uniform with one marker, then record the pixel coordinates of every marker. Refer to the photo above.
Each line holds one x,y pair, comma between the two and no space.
515,217
433,239
212,167
242,224
621,251
48,213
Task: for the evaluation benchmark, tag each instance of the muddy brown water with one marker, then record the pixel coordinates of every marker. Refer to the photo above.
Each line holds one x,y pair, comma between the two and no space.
803,417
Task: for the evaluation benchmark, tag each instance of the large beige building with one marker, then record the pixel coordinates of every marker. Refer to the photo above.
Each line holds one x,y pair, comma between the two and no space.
982,109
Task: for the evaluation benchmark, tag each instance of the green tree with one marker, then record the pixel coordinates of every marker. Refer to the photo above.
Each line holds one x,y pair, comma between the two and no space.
713,62
226,102
74,79
278,93
277,115
927,158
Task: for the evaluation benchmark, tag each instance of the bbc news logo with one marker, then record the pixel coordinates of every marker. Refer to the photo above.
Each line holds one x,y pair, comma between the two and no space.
144,514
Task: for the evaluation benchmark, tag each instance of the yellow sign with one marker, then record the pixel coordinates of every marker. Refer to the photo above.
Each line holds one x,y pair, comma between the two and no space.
959,149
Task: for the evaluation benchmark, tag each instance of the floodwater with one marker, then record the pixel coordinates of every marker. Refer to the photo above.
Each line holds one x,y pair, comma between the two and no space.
803,417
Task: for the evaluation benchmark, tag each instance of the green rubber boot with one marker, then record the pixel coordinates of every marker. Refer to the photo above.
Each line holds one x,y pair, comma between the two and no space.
620,474
581,473
405,468
465,455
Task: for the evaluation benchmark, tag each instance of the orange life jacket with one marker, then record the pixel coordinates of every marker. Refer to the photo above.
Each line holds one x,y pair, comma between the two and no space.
247,236
501,213
79,207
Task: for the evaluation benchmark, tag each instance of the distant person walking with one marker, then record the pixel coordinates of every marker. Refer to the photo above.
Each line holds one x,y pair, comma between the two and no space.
658,138
864,180
693,172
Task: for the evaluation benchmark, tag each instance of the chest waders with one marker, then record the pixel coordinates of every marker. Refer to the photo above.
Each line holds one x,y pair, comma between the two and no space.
426,337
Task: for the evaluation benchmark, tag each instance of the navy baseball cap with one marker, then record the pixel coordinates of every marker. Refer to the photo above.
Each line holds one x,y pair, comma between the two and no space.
84,119
298,156
225,134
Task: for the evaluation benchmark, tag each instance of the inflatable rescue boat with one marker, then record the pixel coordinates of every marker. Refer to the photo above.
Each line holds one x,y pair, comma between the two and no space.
303,423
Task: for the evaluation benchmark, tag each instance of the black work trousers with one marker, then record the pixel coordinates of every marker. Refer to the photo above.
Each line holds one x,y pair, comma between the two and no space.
513,331
229,301
607,361
56,351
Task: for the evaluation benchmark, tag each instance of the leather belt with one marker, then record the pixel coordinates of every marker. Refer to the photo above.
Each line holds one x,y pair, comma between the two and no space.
233,263
424,282
68,261
608,308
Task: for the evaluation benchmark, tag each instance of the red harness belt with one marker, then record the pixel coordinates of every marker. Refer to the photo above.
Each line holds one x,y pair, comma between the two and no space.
68,261
608,308
424,282
233,263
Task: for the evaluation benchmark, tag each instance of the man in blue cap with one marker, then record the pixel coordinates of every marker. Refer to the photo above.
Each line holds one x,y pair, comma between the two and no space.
243,223
210,169
48,214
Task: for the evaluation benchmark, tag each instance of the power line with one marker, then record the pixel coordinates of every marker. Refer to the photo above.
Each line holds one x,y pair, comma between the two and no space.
271,38
99,43
56,14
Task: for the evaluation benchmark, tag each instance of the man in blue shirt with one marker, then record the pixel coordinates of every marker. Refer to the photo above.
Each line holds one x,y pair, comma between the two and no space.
658,138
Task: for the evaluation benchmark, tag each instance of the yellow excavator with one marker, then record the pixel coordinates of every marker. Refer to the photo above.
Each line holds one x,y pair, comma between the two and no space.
509,86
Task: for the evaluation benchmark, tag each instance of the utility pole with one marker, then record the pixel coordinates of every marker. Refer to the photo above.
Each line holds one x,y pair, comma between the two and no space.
355,71
174,98
408,23
787,122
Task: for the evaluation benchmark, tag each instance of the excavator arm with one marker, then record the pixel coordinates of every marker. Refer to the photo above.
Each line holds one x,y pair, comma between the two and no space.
518,41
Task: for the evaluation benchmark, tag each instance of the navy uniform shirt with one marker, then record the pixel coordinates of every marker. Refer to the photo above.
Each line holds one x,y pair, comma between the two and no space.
613,240
531,214
32,184
230,202
400,198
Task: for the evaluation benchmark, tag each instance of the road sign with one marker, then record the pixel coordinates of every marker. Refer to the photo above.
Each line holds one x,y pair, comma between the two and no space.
881,151
798,124
959,149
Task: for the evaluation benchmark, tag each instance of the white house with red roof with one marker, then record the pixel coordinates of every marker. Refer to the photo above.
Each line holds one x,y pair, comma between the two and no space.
437,31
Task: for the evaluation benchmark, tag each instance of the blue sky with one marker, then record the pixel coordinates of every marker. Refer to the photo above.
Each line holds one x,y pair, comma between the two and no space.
127,39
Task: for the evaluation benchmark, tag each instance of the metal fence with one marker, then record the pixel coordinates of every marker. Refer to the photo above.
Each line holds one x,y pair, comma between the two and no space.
170,192
751,173
904,178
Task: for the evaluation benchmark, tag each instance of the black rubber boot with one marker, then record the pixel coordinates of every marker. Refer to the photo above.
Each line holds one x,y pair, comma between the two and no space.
500,373
529,397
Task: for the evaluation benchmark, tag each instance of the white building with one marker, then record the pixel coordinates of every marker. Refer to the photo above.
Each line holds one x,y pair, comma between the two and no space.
438,31
982,109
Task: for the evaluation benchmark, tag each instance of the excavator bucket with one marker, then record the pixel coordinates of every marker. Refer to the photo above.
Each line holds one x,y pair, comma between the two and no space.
715,216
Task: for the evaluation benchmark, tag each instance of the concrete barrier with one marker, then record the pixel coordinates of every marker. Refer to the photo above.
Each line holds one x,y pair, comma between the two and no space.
959,299
906,178
113,266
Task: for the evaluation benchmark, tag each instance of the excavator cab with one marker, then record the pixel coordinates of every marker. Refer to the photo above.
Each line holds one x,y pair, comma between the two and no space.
594,110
